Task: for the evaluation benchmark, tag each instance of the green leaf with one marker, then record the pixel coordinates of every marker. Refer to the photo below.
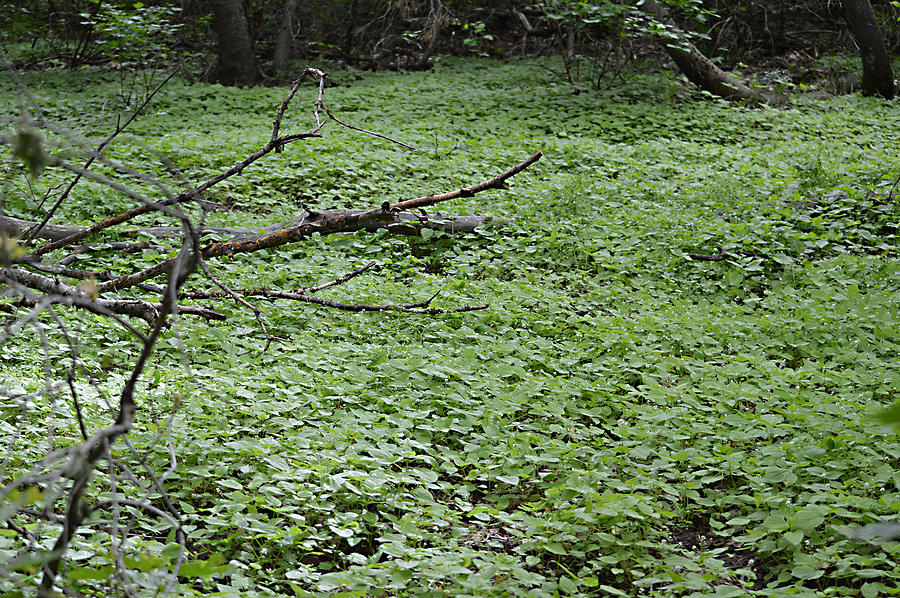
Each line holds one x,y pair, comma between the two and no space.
611,590
204,568
728,591
555,548
809,518
428,476
568,585
806,572
83,573
735,277
890,415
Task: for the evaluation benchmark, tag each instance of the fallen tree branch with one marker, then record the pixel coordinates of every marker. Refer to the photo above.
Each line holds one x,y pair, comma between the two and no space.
405,223
305,295
276,142
63,293
122,247
340,280
239,299
35,280
498,182
34,232
323,223
420,307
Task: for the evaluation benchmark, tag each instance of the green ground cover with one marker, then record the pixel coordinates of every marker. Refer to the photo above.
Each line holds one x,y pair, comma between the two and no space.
623,419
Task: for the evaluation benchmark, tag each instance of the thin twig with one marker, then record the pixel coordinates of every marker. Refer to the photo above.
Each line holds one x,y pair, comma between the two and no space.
147,206
366,131
497,182
119,128
419,307
341,280
239,299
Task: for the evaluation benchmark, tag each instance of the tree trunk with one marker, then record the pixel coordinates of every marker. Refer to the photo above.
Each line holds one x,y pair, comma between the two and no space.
348,34
701,71
236,66
877,78
284,41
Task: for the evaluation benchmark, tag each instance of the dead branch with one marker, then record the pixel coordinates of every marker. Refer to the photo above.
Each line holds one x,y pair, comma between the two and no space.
40,280
340,280
305,295
498,182
404,223
241,300
274,143
420,307
366,131
83,298
35,230
323,223
122,247
89,293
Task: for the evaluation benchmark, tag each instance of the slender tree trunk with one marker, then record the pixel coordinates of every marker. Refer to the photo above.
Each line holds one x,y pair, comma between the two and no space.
236,66
284,41
701,71
877,78
348,34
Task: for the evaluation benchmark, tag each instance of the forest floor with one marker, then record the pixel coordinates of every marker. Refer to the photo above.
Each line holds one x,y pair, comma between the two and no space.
693,317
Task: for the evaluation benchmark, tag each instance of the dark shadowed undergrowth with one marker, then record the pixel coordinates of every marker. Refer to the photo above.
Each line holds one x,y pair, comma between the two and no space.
627,418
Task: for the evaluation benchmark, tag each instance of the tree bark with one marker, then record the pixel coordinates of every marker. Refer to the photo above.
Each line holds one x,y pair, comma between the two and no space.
348,34
877,78
701,71
284,41
236,65
404,223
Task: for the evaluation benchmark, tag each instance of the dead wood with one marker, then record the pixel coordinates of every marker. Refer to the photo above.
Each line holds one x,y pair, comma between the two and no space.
405,223
700,70
306,295
42,278
336,221
37,272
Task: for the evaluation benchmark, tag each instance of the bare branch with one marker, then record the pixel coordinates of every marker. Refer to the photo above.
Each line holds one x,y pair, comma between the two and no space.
498,182
324,223
342,279
40,281
239,299
366,131
196,192
420,307
33,233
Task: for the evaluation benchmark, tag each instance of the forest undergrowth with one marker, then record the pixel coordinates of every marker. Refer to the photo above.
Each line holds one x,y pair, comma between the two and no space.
693,318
